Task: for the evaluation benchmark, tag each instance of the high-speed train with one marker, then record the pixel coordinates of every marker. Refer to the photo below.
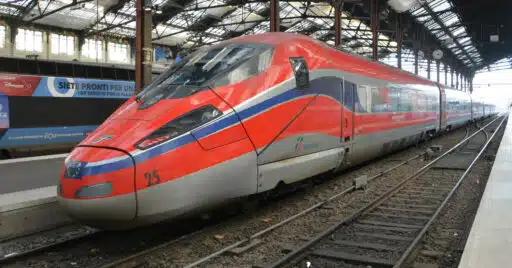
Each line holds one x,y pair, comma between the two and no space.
242,117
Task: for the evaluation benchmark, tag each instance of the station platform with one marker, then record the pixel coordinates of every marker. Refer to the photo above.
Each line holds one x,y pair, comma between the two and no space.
28,195
490,240
30,173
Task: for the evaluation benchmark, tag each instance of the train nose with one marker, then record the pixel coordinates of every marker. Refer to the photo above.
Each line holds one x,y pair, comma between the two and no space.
97,187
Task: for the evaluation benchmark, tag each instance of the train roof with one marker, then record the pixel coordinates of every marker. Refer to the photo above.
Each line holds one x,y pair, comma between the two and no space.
360,64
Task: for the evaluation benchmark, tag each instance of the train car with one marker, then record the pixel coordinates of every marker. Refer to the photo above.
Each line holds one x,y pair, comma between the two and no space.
40,113
477,107
489,109
457,108
240,118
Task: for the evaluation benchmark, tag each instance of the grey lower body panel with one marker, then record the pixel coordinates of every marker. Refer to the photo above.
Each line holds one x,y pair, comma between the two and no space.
110,213
217,184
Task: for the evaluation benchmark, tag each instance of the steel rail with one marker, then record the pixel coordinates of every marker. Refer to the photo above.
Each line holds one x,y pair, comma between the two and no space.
372,204
10,257
246,240
418,238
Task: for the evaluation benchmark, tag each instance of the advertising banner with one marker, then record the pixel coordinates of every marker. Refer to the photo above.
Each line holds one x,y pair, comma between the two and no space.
66,87
19,137
18,85
4,112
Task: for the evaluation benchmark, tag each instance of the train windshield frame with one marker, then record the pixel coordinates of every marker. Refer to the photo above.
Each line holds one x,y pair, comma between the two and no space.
209,67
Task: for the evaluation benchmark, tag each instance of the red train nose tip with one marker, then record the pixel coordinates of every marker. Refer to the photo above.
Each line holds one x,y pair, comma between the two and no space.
99,198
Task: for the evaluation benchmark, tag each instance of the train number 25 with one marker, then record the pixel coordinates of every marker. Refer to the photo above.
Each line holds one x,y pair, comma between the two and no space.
152,177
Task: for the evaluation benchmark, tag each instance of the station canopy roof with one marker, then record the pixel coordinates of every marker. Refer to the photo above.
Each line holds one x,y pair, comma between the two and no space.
461,28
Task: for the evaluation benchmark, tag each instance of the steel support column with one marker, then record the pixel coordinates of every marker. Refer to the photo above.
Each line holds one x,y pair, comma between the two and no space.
452,71
438,71
274,15
400,38
144,52
462,82
446,74
338,8
416,62
428,69
456,80
374,10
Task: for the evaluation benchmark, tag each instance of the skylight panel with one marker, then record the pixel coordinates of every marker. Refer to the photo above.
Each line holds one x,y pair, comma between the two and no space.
458,31
424,18
419,11
465,42
432,25
449,18
348,33
287,10
216,31
320,34
255,6
7,10
438,6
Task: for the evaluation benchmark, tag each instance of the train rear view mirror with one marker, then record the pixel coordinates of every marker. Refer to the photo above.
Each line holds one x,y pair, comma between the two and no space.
301,72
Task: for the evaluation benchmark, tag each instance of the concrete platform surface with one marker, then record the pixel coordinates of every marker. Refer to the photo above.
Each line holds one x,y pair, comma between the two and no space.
30,211
490,241
30,173
28,198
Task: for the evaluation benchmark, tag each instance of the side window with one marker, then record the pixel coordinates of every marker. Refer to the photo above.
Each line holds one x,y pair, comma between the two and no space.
361,100
380,100
422,102
348,95
405,101
394,99
300,69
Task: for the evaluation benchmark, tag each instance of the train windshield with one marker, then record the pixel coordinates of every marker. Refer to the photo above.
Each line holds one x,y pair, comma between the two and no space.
209,67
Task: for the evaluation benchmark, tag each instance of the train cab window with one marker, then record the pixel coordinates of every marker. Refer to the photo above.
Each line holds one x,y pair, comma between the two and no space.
209,67
252,67
361,100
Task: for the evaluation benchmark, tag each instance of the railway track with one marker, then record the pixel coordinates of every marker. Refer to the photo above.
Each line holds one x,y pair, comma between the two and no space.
133,260
254,239
385,232
26,246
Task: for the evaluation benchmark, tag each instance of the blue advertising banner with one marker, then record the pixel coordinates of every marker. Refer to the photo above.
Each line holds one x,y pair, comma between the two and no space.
16,137
83,88
4,112
160,54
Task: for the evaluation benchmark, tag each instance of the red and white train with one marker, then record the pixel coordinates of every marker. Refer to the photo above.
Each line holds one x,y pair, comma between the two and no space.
243,116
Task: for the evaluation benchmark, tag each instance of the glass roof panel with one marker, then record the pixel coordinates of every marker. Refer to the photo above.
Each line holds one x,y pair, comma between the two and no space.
442,10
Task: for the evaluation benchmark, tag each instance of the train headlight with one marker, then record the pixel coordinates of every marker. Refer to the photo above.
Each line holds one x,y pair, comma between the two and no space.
180,125
95,190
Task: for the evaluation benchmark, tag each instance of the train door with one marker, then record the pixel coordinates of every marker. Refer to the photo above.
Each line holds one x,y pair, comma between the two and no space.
348,111
442,119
